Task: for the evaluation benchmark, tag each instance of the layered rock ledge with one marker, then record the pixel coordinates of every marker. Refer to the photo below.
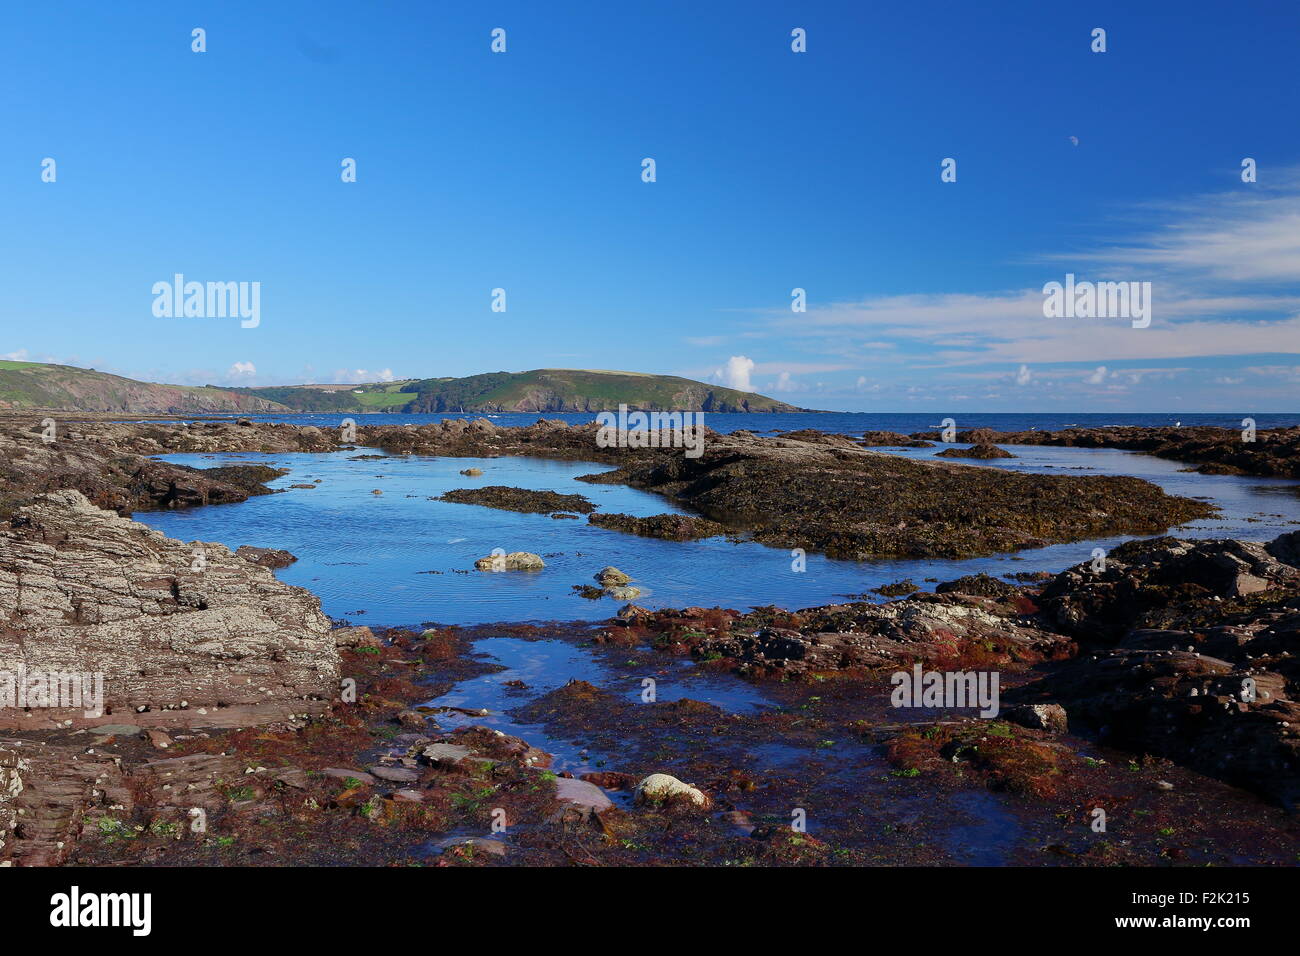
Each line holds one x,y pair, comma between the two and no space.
184,635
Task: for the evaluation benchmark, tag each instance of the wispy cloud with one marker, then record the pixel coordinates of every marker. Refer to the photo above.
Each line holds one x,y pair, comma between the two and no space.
359,376
1223,268
1247,235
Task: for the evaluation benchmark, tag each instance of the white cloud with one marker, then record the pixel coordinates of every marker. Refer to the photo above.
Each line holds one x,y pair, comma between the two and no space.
241,370
1223,269
1009,327
1097,377
1275,371
1023,377
1236,236
18,356
358,376
784,383
735,374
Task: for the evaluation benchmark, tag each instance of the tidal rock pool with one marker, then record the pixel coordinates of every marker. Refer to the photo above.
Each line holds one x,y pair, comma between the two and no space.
402,558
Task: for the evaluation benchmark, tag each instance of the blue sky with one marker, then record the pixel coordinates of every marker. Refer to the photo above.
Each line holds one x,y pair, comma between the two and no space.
775,170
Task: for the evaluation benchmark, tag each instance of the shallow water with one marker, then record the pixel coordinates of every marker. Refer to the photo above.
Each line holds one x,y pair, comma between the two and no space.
546,665
402,559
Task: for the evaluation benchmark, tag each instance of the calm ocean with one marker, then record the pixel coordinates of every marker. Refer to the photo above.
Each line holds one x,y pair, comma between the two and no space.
847,423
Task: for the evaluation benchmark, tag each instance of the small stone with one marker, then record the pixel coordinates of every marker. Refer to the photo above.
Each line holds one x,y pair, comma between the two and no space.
582,794
395,774
355,637
514,561
118,730
340,773
476,845
611,576
659,787
445,753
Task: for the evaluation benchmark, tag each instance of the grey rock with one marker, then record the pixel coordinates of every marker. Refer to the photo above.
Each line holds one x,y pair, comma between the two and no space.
582,794
394,774
341,773
611,576
85,590
514,561
1049,717
445,753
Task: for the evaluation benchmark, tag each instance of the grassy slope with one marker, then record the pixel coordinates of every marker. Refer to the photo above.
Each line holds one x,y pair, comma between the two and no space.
580,390
34,385
63,387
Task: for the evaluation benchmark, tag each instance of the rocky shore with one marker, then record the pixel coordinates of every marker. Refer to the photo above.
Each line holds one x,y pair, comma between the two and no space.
1145,663
111,463
1272,453
808,490
1188,650
822,493
238,726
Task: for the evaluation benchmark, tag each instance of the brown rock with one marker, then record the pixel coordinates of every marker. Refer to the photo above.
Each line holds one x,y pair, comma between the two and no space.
83,590
355,637
266,557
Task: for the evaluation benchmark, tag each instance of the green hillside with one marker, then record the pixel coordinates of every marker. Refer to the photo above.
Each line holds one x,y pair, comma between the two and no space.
25,385
66,388
541,390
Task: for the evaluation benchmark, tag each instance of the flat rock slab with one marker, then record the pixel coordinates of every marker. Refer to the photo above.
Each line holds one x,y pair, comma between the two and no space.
445,753
338,773
582,793
395,774
117,730
218,643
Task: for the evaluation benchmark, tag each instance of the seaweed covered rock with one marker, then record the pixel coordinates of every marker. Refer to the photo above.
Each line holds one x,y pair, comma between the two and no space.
266,557
982,450
981,584
1145,583
1235,722
849,502
519,499
667,526
862,635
